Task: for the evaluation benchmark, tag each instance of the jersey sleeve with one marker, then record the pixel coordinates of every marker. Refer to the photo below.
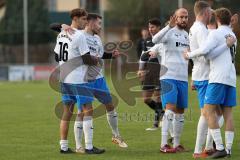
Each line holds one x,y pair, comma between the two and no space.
206,47
157,48
217,51
161,36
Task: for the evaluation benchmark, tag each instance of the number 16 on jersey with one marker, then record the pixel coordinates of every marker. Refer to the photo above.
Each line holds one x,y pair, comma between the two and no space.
63,54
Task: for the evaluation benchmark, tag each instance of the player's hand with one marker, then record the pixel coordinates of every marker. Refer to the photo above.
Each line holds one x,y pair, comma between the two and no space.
185,54
68,29
230,41
99,61
172,21
141,74
116,53
193,87
152,54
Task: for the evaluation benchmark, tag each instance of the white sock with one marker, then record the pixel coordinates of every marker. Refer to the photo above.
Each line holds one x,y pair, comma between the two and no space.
178,123
166,120
88,131
64,145
171,129
216,134
78,132
229,136
220,121
202,130
209,141
113,122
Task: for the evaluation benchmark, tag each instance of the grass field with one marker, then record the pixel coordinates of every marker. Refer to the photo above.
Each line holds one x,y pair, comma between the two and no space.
29,128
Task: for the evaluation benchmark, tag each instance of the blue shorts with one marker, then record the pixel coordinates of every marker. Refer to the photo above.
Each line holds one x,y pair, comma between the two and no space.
220,94
201,87
76,93
177,94
100,91
85,93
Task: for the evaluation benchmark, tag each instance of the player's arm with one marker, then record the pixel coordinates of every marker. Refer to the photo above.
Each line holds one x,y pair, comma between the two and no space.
89,60
210,44
110,55
230,41
202,36
107,55
162,36
56,27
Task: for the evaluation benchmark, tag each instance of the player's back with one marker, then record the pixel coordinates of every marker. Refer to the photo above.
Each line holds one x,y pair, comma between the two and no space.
222,68
197,36
69,49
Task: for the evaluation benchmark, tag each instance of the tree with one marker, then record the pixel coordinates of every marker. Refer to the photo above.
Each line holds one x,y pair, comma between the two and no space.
11,27
133,13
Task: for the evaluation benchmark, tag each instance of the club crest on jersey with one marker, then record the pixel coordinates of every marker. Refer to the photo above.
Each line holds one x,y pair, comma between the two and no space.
177,35
190,33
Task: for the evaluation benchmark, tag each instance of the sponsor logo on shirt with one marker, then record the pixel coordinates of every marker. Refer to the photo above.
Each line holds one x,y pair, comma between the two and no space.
180,44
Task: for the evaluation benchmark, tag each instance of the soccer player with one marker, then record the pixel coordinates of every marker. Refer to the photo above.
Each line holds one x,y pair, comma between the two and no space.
96,49
149,71
99,86
143,42
175,40
200,73
221,89
68,48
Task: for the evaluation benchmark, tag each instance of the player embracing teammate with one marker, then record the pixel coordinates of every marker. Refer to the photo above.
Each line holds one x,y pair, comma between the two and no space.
221,89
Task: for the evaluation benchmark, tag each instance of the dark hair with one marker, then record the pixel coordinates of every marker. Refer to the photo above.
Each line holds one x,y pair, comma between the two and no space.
93,16
200,6
213,19
78,12
223,15
155,21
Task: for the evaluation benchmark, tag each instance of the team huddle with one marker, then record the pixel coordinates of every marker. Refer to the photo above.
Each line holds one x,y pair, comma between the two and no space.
210,44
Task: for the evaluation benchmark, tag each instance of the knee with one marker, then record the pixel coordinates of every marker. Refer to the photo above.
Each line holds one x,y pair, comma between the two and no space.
179,111
109,107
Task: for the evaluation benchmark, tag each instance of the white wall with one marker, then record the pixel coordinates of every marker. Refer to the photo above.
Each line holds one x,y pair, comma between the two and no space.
67,5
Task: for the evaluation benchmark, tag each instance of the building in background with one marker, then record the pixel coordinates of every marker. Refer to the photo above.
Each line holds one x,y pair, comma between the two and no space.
59,12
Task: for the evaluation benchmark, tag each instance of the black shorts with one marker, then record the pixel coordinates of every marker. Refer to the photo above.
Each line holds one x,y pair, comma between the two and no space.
151,80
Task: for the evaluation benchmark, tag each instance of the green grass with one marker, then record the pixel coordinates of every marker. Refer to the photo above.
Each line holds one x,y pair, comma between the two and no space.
29,128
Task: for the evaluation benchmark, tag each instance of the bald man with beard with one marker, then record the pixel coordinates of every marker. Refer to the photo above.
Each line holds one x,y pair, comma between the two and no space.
175,40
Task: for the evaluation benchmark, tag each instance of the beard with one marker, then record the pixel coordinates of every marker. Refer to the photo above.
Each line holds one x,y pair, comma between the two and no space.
182,25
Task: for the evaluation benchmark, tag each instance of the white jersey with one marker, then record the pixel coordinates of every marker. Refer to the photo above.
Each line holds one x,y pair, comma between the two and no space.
222,68
96,48
175,42
67,48
197,36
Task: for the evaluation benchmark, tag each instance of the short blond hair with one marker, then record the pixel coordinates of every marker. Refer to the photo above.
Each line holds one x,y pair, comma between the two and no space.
200,6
